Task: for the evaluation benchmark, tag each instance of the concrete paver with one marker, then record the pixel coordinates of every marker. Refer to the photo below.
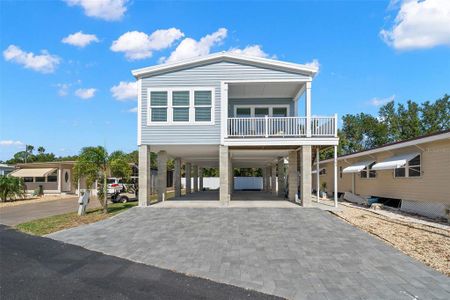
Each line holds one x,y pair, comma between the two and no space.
294,253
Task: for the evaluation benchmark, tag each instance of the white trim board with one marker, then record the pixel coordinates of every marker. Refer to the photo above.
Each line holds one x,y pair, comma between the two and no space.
231,57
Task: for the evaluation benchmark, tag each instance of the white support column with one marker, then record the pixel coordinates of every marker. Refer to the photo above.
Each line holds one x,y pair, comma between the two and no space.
200,178
195,175
60,179
177,177
335,178
187,172
281,185
224,170
274,179
293,175
308,108
144,176
162,175
318,174
306,176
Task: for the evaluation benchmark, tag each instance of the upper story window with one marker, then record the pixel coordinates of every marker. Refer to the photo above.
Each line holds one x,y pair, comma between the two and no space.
158,106
181,106
367,172
411,169
248,111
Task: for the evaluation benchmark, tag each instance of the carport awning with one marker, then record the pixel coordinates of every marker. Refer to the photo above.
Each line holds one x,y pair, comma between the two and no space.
394,162
35,172
357,167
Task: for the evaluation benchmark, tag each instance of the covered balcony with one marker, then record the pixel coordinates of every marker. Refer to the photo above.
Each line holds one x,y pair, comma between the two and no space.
273,112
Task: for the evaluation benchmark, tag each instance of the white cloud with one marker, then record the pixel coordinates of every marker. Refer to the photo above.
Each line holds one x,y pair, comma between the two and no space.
380,101
314,63
109,10
85,93
133,110
251,50
80,39
44,63
420,24
189,47
125,91
139,45
7,143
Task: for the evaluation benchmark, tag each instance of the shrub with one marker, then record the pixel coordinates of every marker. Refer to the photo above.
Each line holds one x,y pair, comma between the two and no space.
11,187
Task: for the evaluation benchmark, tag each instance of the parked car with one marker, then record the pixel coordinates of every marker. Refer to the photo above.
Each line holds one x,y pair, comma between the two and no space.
127,194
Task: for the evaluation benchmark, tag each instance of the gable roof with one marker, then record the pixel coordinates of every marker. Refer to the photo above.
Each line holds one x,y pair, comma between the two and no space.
230,57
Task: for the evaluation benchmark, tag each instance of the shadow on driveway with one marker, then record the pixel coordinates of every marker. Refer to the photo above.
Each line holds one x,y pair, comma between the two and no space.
41,268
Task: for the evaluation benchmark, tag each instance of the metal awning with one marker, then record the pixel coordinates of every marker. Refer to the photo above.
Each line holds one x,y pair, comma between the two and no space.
394,162
358,167
34,172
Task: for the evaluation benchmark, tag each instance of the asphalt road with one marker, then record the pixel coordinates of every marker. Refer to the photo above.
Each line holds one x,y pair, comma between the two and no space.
40,268
14,215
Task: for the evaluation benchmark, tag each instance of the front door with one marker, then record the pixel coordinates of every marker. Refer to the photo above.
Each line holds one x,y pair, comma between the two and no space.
66,180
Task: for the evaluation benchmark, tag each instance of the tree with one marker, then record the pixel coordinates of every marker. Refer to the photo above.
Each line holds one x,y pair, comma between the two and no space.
41,150
435,116
94,163
11,187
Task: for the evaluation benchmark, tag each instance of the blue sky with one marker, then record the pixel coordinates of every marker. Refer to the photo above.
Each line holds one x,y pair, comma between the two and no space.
58,94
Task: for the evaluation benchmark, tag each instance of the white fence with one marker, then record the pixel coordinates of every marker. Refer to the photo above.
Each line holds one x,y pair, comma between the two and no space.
280,126
240,183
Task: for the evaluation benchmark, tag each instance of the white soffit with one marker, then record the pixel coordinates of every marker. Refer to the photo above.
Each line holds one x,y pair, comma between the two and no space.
264,89
394,162
35,172
357,167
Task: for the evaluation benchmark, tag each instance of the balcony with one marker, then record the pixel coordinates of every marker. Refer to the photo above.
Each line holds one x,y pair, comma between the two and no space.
282,127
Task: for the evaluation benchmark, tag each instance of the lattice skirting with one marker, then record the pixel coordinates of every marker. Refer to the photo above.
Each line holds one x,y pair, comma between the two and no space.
428,209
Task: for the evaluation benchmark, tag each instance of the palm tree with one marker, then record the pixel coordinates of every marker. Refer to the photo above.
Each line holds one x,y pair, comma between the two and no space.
94,163
41,150
11,187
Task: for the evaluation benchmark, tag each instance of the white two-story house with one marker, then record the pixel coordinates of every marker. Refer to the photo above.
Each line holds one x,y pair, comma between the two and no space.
230,111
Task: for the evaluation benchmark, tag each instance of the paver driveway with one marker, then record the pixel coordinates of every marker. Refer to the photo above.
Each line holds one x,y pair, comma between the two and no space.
295,253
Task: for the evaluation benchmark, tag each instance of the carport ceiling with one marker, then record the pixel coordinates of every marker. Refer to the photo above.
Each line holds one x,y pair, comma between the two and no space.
264,89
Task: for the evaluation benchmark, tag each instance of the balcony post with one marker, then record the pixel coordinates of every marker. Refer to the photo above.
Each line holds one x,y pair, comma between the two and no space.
335,125
267,125
308,108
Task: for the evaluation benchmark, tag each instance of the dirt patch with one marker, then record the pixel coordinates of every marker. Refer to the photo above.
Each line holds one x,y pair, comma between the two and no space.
427,244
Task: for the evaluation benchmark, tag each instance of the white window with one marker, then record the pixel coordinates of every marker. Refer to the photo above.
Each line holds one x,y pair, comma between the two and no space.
158,106
175,106
367,172
203,106
412,168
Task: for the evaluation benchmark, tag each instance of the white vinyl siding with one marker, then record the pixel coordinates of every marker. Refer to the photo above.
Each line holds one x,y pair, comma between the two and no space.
209,75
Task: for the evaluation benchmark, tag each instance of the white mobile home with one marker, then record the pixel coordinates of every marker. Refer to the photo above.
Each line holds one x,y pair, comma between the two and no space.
230,111
412,173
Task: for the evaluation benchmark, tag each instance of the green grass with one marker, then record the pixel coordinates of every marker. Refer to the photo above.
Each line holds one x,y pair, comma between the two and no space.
59,222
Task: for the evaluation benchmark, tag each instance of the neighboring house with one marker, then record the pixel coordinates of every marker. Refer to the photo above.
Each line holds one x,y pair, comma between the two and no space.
230,111
412,174
54,177
6,169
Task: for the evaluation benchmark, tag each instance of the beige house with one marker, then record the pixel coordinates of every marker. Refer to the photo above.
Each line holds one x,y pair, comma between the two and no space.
54,177
413,173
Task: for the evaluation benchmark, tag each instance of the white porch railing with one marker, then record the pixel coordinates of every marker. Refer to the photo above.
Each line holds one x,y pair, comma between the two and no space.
281,127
